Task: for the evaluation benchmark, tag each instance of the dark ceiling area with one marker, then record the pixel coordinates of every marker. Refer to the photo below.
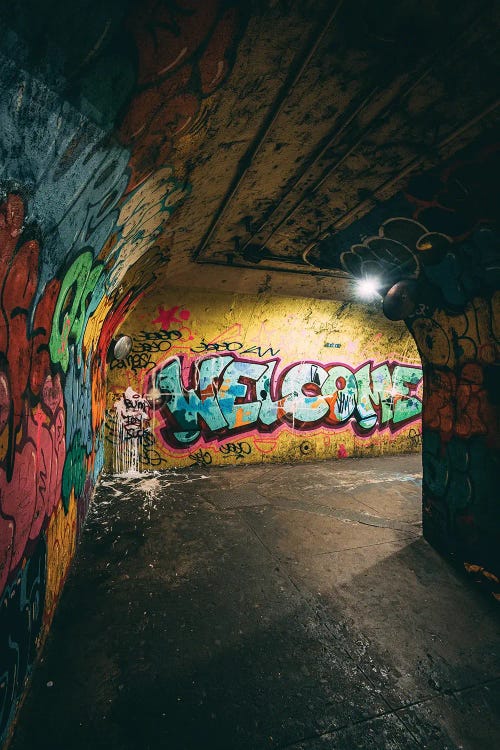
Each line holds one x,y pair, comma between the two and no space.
281,124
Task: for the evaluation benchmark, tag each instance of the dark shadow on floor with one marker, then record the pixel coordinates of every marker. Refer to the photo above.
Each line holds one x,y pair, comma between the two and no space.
266,607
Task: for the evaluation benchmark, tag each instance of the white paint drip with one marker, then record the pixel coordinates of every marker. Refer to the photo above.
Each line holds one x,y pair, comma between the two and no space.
132,419
150,486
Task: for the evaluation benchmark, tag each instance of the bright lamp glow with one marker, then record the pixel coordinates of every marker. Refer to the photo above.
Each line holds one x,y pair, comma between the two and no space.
368,288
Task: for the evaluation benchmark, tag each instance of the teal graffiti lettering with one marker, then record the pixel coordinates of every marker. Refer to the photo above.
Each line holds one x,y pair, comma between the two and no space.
301,388
186,405
226,393
74,472
374,389
406,405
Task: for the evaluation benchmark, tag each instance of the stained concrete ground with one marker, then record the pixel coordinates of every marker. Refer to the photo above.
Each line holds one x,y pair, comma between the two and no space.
261,607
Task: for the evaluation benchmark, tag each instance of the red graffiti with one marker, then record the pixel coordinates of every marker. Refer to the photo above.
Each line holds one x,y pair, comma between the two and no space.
342,453
18,277
167,317
458,405
184,52
29,498
31,399
26,352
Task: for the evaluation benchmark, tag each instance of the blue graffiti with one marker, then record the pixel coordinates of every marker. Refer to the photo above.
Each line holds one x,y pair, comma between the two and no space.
226,394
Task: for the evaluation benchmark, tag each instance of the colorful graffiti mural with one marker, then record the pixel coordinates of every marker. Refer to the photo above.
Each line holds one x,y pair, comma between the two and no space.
219,393
53,348
50,435
226,395
73,225
59,189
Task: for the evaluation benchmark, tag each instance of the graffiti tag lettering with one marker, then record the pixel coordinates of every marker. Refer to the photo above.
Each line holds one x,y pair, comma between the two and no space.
226,394
238,450
233,346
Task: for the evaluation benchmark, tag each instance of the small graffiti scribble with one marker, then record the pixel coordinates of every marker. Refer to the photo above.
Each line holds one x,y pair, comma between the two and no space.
306,447
414,437
201,458
132,421
238,450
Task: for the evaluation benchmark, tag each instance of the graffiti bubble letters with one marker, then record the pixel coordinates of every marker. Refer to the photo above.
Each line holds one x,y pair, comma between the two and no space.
226,395
81,291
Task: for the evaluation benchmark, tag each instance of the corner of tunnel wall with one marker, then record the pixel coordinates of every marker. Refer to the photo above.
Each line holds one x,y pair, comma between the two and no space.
298,379
460,421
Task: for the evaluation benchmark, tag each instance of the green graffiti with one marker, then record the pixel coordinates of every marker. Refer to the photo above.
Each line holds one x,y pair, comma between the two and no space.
406,406
80,294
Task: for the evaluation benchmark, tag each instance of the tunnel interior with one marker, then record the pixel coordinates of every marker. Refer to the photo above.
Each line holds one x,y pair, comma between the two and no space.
214,180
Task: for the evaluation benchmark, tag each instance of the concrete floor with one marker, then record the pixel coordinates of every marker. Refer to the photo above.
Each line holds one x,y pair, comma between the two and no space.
266,607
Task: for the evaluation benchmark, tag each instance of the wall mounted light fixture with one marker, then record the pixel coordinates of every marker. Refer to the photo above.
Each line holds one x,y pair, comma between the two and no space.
120,348
400,300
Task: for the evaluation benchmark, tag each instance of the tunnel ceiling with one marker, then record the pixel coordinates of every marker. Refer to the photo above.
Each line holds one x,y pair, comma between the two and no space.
257,135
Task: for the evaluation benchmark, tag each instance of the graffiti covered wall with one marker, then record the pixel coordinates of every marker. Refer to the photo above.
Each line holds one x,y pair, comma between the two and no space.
102,120
460,432
219,379
54,295
84,194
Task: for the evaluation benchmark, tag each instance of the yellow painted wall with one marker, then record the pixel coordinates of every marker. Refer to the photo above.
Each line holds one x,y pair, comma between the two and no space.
192,326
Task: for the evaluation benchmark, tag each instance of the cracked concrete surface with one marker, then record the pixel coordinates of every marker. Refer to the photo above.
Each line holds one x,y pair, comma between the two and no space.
264,607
